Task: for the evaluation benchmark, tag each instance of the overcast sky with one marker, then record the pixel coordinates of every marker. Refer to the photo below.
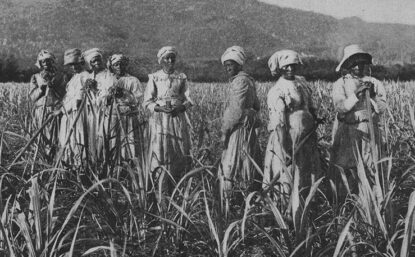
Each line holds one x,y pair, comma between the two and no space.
385,11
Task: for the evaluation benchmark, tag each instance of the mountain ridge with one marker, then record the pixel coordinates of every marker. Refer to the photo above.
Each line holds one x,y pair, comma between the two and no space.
200,29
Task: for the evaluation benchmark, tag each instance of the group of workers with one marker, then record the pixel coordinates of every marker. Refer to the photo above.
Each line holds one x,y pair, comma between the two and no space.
99,110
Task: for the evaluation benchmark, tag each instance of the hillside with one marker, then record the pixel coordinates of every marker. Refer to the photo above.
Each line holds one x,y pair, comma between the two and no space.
201,29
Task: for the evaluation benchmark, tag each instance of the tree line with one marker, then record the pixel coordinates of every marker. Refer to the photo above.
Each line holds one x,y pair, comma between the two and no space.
211,70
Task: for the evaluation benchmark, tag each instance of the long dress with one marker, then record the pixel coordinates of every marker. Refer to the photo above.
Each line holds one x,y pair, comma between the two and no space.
237,169
170,144
291,111
98,109
77,147
56,92
126,129
351,127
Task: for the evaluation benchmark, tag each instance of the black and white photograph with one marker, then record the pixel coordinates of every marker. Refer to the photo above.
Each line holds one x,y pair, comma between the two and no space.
229,128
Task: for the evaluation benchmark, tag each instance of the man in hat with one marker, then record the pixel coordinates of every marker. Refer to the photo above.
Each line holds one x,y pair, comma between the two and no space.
351,132
47,89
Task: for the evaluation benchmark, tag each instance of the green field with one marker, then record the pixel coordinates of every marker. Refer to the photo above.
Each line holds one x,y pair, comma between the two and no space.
55,212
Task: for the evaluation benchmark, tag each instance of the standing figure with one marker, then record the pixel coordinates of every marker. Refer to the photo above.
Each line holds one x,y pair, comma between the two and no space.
167,99
98,82
77,146
351,131
292,145
127,124
47,89
239,138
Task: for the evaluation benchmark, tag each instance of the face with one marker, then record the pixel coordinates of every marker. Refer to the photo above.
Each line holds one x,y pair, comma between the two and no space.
119,68
289,71
97,64
232,67
75,67
46,64
358,70
168,62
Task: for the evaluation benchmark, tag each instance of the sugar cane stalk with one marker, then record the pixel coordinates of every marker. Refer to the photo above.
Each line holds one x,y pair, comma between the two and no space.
32,139
80,110
374,150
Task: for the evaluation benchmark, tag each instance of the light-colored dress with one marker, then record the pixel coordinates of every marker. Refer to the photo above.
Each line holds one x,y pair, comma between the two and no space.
351,130
127,123
240,119
56,92
169,136
77,146
97,108
291,109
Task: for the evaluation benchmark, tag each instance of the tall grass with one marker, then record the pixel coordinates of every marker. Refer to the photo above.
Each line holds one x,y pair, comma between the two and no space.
111,208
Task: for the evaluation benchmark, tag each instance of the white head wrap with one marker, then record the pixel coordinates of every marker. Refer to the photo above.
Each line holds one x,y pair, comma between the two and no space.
43,55
165,51
117,58
235,53
72,56
283,58
89,54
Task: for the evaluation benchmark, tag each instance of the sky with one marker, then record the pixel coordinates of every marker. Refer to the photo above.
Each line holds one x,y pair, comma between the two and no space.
383,11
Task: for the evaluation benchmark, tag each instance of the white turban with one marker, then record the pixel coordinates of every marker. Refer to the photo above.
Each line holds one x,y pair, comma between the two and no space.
235,53
43,55
164,51
89,55
283,58
118,58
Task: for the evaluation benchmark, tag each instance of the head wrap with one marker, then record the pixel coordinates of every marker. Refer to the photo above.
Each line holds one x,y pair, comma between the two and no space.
118,58
72,56
353,54
283,58
235,53
164,51
88,55
43,55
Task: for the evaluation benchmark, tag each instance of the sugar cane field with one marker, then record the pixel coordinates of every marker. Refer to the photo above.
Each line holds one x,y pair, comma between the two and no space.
105,209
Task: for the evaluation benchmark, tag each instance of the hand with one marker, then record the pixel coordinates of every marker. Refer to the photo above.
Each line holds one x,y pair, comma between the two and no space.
164,109
117,92
178,109
43,87
91,84
46,75
371,88
361,89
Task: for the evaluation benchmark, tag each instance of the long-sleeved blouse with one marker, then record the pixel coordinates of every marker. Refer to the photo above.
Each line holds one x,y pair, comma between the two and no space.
243,103
162,87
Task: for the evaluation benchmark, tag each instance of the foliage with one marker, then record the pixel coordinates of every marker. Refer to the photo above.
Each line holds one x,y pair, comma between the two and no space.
103,211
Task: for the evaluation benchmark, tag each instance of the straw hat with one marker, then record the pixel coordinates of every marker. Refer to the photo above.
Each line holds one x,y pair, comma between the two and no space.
353,54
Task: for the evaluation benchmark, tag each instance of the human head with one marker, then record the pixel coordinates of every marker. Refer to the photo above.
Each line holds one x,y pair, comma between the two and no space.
167,58
118,63
73,59
354,60
286,62
45,60
94,59
233,60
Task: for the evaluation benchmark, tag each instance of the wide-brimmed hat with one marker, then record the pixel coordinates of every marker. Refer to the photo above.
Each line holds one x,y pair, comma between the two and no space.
353,54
